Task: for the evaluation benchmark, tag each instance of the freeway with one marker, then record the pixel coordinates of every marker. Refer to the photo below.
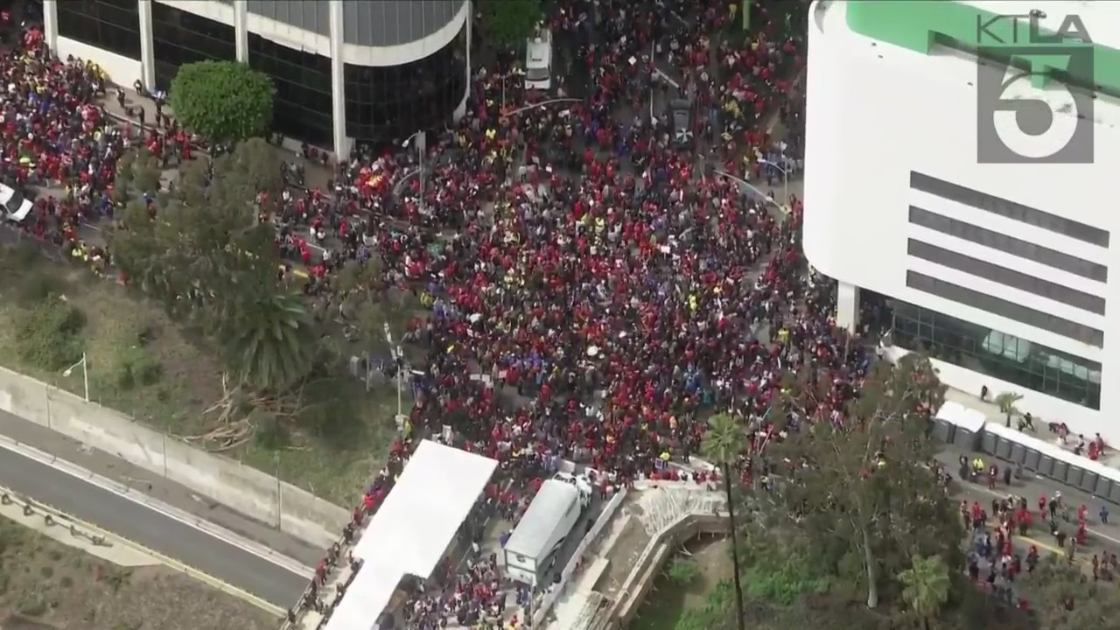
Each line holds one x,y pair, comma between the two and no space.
148,528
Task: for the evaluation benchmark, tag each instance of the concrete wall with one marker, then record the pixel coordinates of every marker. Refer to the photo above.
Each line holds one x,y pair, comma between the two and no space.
640,580
121,69
242,488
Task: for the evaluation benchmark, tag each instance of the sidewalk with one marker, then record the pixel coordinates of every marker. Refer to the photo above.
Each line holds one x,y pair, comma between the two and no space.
1111,457
154,486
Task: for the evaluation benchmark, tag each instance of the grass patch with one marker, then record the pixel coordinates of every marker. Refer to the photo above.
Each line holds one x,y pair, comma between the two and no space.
146,366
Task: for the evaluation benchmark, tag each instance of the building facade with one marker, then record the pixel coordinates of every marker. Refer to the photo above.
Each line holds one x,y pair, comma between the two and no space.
999,267
345,71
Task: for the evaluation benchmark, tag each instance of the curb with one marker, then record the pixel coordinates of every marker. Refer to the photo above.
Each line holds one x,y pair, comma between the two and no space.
151,503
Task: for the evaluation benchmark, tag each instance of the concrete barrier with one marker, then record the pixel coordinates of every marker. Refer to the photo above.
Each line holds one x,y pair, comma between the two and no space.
243,488
641,577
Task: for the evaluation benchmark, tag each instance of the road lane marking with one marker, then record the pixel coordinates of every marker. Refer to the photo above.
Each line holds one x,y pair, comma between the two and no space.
1003,495
182,567
155,505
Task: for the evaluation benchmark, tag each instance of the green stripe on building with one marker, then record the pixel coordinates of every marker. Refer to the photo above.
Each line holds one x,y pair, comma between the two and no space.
919,24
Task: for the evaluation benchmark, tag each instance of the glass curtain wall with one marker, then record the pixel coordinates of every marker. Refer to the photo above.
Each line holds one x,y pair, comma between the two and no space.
112,25
303,89
392,103
182,38
998,354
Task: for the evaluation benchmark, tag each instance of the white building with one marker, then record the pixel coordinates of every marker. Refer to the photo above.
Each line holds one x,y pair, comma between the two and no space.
1002,271
345,71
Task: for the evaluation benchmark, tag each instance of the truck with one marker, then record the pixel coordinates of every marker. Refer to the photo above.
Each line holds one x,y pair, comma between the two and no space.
532,549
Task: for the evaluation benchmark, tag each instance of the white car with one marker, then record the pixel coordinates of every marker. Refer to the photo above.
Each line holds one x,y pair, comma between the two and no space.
538,61
16,206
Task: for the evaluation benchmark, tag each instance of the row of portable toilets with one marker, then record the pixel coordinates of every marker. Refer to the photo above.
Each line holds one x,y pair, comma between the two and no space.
1036,456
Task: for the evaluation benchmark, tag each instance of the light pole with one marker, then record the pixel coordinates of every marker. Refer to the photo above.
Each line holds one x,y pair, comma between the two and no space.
752,187
398,360
421,149
85,373
785,178
542,104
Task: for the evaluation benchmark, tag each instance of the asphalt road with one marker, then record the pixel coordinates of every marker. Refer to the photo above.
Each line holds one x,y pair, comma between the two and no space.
151,529
1103,538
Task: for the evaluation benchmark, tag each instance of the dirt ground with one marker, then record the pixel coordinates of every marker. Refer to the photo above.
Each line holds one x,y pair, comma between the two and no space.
667,601
117,318
46,585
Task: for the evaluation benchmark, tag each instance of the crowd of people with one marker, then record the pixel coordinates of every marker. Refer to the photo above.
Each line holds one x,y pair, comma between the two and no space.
611,286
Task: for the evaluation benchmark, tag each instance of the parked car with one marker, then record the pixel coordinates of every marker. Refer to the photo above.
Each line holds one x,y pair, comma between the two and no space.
15,205
680,113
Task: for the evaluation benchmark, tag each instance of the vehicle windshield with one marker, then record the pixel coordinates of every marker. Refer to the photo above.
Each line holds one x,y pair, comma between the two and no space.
536,74
15,202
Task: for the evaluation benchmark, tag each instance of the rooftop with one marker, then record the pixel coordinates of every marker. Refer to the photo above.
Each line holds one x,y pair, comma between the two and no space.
367,22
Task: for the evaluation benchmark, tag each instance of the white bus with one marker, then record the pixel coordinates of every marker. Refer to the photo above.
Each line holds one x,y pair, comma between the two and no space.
538,60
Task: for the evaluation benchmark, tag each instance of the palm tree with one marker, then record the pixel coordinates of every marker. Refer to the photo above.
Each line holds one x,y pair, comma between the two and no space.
1006,403
926,587
270,344
723,444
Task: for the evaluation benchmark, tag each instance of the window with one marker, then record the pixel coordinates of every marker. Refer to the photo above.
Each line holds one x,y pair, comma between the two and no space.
303,89
997,354
1005,276
1008,209
181,38
391,103
1003,308
113,25
1008,244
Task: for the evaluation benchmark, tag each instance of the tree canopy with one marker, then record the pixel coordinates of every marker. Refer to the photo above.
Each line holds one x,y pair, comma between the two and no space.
223,101
1064,597
207,256
508,23
858,485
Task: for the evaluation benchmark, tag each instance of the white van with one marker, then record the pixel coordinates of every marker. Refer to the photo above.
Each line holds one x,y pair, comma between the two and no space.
16,206
538,60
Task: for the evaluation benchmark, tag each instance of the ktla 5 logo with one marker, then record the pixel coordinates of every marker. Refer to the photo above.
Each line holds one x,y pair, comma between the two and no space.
1025,115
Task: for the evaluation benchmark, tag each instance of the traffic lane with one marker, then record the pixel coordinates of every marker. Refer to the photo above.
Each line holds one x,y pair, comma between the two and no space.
151,529
155,486
1037,534
1101,536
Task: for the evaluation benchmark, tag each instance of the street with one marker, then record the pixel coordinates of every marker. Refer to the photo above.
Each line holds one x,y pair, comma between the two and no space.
217,558
1103,538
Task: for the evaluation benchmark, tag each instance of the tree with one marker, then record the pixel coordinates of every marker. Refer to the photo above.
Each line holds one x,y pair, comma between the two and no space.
270,341
1065,598
223,101
207,256
724,443
1007,405
926,587
860,486
508,23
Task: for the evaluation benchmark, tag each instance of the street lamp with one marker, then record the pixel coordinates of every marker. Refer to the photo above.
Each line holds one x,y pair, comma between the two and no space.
85,373
421,149
398,359
785,178
751,187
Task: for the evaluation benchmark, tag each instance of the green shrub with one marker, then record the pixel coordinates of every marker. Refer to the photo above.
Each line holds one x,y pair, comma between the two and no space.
269,433
48,336
33,606
224,101
783,576
36,286
682,571
136,366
